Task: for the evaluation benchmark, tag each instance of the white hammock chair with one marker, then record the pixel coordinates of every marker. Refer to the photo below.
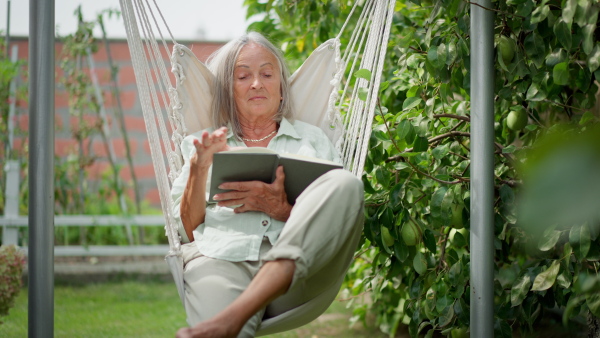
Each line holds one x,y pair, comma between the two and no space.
320,89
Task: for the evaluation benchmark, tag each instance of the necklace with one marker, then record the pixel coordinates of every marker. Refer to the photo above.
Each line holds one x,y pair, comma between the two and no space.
260,139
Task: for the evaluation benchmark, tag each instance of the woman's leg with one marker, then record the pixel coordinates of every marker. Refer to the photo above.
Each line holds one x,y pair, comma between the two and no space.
321,235
272,280
323,222
211,286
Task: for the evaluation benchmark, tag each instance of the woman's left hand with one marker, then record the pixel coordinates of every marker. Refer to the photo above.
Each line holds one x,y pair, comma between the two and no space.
257,196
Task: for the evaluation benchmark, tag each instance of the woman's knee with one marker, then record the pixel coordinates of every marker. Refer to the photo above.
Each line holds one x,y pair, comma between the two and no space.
345,183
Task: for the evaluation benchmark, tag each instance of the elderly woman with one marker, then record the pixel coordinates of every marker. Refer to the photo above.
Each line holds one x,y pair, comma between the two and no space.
253,255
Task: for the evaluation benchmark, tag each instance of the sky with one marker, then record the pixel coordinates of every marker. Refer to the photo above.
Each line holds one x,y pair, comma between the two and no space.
213,20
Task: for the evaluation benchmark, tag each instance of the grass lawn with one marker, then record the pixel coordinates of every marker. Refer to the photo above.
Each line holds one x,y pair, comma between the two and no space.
145,309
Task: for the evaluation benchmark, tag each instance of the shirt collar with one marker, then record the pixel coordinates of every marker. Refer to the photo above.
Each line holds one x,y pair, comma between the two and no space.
285,128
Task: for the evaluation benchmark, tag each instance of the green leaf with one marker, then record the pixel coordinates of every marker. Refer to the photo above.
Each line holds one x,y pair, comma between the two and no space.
549,239
545,280
459,240
584,241
442,54
411,102
403,129
593,303
564,279
569,11
383,86
531,127
519,291
509,149
420,263
507,195
587,117
436,202
563,33
573,303
593,59
440,152
588,38
583,79
560,73
539,14
363,94
363,74
429,240
452,53
420,144
432,57
558,56
401,166
443,302
583,11
579,237
401,250
535,93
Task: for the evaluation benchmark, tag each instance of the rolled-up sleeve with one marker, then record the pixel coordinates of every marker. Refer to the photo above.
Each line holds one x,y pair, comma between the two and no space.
187,149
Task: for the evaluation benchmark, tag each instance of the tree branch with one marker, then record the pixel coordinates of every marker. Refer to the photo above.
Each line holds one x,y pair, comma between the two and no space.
433,178
494,10
458,117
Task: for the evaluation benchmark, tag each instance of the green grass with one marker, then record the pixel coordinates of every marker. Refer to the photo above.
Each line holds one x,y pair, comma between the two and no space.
127,309
145,309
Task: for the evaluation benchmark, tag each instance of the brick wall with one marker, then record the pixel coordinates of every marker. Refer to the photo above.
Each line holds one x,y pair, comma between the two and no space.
136,130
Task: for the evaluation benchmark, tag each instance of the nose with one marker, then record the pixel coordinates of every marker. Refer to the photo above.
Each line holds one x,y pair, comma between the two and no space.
256,83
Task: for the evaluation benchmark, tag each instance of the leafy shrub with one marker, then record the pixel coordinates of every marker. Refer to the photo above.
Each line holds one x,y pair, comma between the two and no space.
11,269
415,259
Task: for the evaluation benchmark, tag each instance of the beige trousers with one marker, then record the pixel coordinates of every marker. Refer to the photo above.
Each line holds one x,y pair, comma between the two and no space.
321,236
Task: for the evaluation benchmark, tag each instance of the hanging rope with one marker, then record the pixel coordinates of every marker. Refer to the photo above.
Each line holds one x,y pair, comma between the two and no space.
161,99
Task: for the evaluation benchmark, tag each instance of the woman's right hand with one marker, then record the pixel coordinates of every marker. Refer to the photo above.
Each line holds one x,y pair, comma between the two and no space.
205,149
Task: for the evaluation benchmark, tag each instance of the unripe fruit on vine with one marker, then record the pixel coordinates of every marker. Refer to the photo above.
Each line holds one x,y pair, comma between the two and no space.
459,333
457,218
506,47
517,119
411,234
387,238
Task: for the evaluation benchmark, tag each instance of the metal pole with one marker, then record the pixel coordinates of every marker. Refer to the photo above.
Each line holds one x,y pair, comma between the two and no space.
482,169
41,168
7,40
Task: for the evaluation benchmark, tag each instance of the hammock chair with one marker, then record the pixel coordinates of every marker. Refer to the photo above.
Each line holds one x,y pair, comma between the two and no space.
323,90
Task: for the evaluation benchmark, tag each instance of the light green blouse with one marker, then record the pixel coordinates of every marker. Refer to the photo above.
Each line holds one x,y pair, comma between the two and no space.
237,237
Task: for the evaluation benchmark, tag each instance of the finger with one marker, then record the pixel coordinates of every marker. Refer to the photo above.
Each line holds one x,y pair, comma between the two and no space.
206,139
243,208
279,175
196,143
221,131
241,186
231,203
229,195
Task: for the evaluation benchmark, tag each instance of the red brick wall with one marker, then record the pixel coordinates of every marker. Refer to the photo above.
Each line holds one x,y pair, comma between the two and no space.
136,130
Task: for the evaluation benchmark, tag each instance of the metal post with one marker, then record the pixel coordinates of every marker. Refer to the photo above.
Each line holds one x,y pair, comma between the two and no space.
10,234
7,40
482,169
41,168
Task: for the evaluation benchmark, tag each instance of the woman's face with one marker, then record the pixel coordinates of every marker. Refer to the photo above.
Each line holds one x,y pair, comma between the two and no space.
256,82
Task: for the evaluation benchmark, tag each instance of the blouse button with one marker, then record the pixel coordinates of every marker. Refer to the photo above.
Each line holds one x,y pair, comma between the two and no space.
265,223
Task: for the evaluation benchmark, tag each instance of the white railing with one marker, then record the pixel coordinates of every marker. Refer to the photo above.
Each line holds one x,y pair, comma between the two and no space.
11,221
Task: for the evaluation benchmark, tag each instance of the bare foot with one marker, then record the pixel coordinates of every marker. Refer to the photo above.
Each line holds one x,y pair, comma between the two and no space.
209,329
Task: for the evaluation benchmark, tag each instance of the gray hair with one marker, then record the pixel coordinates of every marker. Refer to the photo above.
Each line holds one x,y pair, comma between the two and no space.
222,65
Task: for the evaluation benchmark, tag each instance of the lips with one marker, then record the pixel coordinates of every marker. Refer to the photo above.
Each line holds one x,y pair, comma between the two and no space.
257,98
